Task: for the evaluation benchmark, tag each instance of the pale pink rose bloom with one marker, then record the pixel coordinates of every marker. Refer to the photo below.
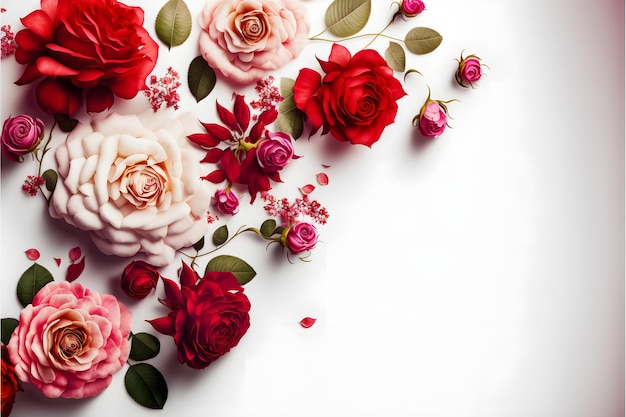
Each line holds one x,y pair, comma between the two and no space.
246,39
70,340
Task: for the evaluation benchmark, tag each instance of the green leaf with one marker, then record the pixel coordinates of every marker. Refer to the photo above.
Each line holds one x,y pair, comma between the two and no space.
50,177
229,263
173,23
8,325
268,227
395,57
290,120
200,78
66,124
286,86
347,17
31,281
422,40
146,385
199,244
220,236
144,346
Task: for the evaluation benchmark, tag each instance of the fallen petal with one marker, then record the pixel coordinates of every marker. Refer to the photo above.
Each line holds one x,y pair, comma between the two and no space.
75,254
32,254
322,179
307,322
307,189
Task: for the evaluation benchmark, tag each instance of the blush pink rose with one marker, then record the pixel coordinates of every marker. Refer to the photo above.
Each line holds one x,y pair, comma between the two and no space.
70,340
20,136
432,119
274,152
469,71
411,8
300,237
246,39
226,202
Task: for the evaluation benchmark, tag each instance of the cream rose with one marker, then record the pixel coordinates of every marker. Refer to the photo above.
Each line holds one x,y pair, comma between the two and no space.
133,182
246,39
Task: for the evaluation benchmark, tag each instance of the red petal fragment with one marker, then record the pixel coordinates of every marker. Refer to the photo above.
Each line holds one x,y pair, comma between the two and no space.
325,166
75,254
322,179
74,270
307,189
213,155
204,139
307,322
58,261
32,254
242,113
226,116
216,176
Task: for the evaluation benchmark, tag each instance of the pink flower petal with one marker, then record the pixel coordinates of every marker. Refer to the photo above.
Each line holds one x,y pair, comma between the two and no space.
58,261
307,322
307,189
75,254
322,179
32,254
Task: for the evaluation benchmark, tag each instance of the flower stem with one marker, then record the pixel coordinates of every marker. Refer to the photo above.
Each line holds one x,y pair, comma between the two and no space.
316,38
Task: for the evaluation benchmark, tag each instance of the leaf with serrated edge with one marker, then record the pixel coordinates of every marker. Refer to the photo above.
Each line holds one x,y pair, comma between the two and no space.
8,325
173,23
220,236
347,17
422,40
228,263
144,346
32,280
395,57
146,385
200,78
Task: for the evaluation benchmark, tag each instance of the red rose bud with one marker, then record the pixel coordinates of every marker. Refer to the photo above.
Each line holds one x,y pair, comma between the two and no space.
469,71
138,279
20,136
411,8
10,383
300,237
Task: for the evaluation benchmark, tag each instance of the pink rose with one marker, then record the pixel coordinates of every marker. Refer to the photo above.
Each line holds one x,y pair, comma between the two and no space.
226,202
70,340
432,119
274,152
246,39
20,136
469,71
300,237
411,8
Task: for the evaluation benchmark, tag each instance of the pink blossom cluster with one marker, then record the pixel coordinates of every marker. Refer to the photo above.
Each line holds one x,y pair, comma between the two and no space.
32,184
290,213
7,41
269,95
164,90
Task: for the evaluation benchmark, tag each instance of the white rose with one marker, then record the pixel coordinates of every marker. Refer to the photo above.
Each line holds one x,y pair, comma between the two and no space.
133,182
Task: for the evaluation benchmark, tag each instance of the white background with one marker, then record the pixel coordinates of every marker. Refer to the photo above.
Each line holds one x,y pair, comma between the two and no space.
478,274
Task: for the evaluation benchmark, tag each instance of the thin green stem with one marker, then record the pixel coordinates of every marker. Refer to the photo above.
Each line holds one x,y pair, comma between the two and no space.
239,231
381,32
315,38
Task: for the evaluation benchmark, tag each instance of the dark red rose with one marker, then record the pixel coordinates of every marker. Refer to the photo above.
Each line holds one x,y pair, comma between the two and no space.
355,100
92,49
138,279
209,315
10,383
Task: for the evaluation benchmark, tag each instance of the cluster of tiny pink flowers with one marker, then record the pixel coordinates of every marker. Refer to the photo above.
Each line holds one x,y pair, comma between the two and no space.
211,218
7,41
269,95
32,184
290,213
164,90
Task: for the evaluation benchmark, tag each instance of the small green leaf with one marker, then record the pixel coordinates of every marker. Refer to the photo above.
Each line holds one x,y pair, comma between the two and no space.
268,227
395,57
422,40
290,119
8,325
347,17
173,23
220,236
146,385
50,177
66,124
199,244
31,281
144,346
200,78
286,86
228,263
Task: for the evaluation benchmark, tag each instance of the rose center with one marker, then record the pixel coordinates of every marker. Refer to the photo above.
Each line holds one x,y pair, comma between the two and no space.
143,185
253,27
70,342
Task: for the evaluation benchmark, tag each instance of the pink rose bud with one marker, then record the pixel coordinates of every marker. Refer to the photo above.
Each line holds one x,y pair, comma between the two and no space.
469,71
226,202
300,237
20,136
274,152
411,8
431,122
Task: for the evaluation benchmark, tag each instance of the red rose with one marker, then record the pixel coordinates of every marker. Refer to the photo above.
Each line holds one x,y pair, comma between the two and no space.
10,383
355,100
138,279
95,47
208,316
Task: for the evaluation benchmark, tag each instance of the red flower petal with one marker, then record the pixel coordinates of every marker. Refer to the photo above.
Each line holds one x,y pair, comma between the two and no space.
307,322
58,261
242,113
75,254
226,116
322,178
307,189
32,254
74,270
216,176
325,166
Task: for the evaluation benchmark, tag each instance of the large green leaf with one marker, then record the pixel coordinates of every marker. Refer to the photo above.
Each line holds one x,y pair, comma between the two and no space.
229,263
395,57
31,281
422,40
146,385
173,23
347,17
8,325
200,78
144,346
